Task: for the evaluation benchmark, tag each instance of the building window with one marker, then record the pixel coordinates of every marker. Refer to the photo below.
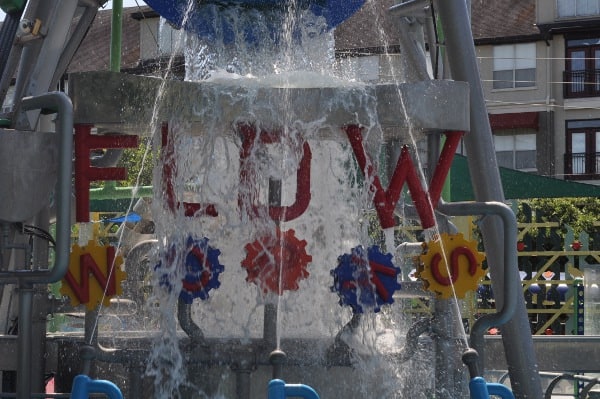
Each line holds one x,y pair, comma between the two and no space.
582,159
514,66
577,8
170,40
582,76
516,151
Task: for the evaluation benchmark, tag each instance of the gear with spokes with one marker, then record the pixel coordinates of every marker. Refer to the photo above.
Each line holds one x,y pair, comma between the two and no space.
202,270
94,275
273,258
451,266
365,280
199,269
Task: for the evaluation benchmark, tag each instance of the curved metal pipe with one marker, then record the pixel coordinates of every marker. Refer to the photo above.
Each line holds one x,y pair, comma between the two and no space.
512,286
588,387
184,316
60,103
414,332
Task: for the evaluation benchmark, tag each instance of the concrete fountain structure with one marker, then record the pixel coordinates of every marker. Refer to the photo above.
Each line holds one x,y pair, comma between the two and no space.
251,109
231,344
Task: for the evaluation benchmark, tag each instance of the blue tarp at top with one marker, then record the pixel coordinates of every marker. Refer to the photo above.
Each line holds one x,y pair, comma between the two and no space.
210,20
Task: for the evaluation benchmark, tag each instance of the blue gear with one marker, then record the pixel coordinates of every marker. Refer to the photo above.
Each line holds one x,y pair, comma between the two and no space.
365,281
200,271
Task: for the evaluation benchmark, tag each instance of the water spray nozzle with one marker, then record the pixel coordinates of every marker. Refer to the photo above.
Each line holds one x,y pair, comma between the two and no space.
277,358
470,358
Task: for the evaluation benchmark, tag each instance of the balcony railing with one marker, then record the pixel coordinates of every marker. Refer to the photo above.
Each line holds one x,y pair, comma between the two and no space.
582,166
579,84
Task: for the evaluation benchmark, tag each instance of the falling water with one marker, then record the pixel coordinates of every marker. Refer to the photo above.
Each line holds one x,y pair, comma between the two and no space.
331,224
238,81
454,327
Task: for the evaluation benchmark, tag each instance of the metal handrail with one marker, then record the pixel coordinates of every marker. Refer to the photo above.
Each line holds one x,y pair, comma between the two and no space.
512,286
582,163
581,83
59,102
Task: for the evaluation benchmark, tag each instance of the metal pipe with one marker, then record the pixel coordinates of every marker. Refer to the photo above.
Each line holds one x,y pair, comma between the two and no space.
115,35
57,17
512,285
184,316
6,244
79,33
243,384
60,103
135,386
410,8
588,387
24,340
485,175
413,53
432,40
270,325
447,349
412,339
409,249
463,63
92,350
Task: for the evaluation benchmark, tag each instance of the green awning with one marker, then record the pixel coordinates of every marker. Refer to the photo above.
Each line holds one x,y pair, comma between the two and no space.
517,185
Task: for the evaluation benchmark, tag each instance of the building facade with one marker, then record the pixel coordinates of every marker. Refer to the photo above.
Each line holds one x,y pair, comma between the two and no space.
539,62
539,79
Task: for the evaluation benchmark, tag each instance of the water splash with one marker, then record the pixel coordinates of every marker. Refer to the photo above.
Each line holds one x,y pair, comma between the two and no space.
208,172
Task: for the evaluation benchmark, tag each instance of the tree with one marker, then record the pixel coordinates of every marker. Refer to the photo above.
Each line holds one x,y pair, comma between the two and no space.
579,213
133,160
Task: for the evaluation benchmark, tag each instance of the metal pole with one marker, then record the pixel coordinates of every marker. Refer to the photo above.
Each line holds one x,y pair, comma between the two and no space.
512,285
24,341
487,186
115,35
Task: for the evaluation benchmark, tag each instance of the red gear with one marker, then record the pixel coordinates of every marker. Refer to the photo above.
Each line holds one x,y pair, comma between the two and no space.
265,256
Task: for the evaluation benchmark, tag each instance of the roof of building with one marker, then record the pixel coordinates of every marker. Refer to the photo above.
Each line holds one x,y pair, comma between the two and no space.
374,25
499,20
372,28
94,52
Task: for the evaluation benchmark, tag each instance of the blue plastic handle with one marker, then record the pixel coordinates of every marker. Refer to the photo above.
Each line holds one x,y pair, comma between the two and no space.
500,390
482,390
278,389
83,386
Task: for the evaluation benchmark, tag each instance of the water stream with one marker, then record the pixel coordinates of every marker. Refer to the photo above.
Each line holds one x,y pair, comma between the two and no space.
246,165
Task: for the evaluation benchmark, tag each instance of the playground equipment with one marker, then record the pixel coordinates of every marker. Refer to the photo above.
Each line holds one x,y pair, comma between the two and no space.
83,386
261,236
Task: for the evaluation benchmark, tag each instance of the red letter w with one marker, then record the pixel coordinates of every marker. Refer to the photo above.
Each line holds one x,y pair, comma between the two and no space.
385,201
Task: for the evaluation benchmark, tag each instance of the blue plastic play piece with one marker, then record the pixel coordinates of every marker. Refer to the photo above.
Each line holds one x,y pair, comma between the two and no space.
209,20
278,389
200,269
83,386
482,390
365,281
131,217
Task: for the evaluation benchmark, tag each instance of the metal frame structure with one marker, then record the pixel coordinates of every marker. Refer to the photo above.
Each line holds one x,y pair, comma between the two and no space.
113,100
